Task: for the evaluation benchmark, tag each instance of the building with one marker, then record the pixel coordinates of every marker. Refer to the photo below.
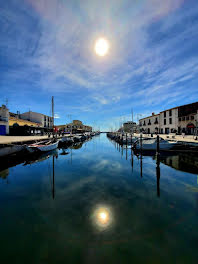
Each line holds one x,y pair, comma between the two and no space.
188,119
150,124
75,127
19,126
45,121
181,119
169,121
130,127
4,120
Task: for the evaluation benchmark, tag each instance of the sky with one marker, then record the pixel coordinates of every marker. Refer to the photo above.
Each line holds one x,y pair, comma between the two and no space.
47,49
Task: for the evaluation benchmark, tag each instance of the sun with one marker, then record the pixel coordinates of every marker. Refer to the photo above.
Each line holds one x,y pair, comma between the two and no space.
101,47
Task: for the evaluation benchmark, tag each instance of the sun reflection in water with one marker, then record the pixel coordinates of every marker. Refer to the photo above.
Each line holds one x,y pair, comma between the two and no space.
102,217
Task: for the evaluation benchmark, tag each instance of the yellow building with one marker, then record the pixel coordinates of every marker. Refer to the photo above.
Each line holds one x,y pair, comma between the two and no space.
22,127
22,122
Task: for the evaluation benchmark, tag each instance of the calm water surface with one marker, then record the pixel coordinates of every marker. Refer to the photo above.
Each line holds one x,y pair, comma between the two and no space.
101,207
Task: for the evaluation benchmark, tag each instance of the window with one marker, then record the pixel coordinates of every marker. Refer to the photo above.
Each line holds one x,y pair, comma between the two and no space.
165,114
156,121
170,120
179,118
149,122
164,121
183,118
192,117
187,118
170,112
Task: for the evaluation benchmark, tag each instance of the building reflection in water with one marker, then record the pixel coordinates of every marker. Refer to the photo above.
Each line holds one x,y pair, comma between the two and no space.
182,162
102,217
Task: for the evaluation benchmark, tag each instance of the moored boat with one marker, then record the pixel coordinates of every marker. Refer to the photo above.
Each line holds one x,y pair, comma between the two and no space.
43,146
151,144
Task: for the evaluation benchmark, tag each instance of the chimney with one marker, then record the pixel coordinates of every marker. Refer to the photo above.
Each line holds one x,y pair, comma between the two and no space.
153,114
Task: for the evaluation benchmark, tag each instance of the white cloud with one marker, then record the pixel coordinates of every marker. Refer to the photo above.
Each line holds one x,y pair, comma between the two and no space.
56,116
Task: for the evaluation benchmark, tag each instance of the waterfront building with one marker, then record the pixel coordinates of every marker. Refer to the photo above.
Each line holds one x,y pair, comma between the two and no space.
188,119
19,126
169,121
130,126
181,119
150,124
4,120
45,121
75,127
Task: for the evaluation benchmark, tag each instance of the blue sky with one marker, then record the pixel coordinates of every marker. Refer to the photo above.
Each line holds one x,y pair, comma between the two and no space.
47,48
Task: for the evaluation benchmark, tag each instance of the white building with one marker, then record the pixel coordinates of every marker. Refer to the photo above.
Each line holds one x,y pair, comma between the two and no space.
4,120
174,120
150,124
169,121
44,120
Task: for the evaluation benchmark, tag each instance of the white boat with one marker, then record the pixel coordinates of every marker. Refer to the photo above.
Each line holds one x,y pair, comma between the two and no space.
43,146
151,144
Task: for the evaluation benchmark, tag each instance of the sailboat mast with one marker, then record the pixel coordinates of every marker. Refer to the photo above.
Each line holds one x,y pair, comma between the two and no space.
53,115
132,119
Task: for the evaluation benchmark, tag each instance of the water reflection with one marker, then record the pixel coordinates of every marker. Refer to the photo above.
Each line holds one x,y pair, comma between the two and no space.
102,217
183,162
98,206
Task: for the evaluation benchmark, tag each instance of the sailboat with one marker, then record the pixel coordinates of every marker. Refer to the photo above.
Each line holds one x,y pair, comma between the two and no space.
45,145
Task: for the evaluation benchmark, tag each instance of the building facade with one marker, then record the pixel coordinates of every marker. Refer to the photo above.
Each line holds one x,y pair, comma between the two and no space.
130,127
75,127
188,119
4,120
150,124
169,121
181,119
45,121
19,126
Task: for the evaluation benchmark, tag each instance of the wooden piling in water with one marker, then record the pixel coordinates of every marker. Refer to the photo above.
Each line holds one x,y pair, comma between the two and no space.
158,146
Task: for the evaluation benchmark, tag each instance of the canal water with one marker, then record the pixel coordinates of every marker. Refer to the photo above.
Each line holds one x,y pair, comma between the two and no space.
99,203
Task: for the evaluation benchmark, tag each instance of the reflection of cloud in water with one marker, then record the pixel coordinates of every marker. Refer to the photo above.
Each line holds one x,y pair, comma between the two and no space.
74,186
108,165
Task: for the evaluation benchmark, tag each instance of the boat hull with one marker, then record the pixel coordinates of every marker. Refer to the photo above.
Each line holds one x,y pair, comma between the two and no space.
44,148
